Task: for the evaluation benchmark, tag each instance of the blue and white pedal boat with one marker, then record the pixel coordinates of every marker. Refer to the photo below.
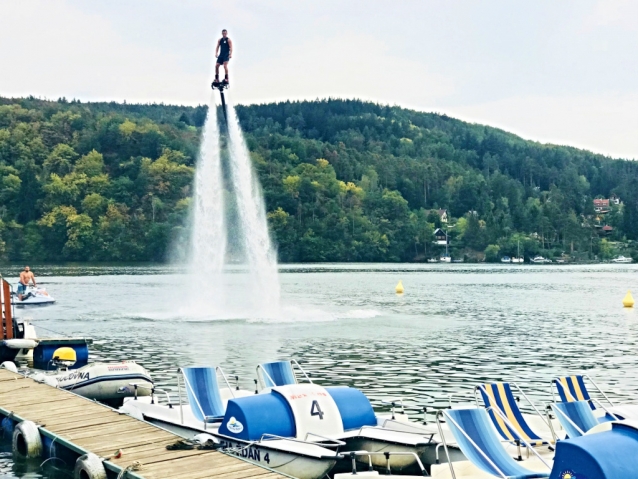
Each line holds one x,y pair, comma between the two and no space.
362,428
261,428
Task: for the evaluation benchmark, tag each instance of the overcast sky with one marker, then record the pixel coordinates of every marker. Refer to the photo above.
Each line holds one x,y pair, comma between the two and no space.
553,71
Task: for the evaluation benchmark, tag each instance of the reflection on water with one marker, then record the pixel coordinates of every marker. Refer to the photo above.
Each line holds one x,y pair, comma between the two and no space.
455,326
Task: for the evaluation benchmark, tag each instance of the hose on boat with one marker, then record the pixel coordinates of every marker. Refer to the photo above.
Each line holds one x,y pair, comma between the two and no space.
27,442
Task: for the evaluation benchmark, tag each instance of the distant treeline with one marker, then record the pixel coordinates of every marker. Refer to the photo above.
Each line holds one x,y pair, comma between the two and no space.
343,181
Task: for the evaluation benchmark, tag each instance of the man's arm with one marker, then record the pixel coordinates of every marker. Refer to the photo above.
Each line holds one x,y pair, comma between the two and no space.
230,48
33,279
217,48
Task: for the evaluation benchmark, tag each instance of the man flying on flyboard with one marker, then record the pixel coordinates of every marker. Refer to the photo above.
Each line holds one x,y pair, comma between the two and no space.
223,52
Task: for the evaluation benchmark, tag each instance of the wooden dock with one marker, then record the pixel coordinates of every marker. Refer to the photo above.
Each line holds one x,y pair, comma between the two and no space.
85,426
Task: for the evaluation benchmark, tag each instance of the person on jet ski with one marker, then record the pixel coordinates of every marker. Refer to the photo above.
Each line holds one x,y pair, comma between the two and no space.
223,52
26,276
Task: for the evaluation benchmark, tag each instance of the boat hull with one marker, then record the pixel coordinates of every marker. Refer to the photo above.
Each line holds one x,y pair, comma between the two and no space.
106,382
295,465
301,467
397,463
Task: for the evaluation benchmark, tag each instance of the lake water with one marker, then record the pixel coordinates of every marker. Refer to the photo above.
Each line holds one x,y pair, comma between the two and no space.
456,326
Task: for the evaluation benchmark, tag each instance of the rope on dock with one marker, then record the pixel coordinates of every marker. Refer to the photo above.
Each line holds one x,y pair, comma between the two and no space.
134,466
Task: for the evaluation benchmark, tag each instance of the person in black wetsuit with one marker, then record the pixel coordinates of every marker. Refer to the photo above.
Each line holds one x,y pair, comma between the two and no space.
223,52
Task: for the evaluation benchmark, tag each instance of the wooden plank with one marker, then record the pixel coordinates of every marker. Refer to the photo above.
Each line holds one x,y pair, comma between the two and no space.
159,459
58,410
114,443
130,450
134,450
158,454
172,468
9,378
69,418
52,394
251,471
202,463
62,428
103,441
13,389
256,472
112,430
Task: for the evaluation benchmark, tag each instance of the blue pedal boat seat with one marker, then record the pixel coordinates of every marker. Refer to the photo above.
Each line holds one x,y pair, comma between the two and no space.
475,436
572,388
576,417
499,396
202,389
278,373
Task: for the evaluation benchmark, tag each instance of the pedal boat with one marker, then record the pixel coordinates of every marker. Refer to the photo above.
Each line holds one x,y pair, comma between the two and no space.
375,433
260,428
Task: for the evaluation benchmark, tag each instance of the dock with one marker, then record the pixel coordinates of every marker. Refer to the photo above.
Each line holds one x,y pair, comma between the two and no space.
84,426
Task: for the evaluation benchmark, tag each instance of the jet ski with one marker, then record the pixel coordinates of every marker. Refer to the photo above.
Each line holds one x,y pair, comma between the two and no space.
33,297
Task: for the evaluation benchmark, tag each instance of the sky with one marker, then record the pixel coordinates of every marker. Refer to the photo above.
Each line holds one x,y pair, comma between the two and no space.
559,71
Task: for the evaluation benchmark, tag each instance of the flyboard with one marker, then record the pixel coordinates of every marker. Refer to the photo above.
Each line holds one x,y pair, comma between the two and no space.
221,86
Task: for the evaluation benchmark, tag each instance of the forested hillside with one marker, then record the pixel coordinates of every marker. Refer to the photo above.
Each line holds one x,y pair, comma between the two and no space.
343,180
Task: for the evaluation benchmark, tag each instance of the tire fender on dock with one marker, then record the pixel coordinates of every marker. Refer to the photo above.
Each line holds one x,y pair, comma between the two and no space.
27,442
89,466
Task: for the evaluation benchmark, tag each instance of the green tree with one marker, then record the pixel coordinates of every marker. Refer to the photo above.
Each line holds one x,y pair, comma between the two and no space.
492,253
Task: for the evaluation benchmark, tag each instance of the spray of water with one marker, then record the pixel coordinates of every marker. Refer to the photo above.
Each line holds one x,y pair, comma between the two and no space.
260,255
208,231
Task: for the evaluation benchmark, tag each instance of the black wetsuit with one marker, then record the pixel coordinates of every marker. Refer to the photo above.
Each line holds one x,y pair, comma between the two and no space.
224,50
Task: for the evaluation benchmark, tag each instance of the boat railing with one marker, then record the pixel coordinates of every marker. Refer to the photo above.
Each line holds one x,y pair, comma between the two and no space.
538,413
328,440
219,369
353,456
418,429
302,370
393,403
263,385
420,433
153,390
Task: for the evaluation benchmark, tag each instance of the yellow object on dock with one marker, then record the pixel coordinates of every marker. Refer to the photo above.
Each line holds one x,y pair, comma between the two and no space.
123,442
399,288
628,300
